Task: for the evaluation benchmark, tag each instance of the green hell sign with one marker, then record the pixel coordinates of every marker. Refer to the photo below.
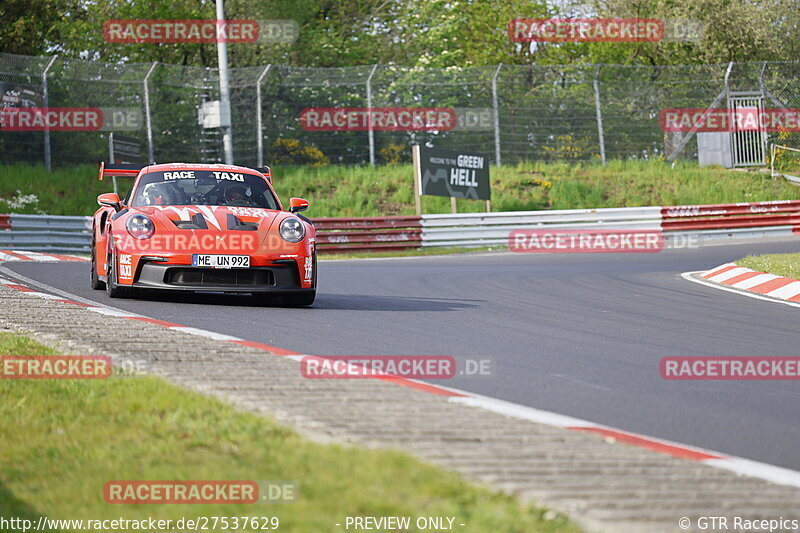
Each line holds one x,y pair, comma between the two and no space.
453,173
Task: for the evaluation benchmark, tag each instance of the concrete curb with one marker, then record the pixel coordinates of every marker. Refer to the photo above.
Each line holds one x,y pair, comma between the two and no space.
754,282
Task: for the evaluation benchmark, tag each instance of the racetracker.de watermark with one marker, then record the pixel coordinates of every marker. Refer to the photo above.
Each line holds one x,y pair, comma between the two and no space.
70,119
198,492
140,31
586,30
729,120
236,243
378,119
393,366
522,30
55,367
543,241
730,368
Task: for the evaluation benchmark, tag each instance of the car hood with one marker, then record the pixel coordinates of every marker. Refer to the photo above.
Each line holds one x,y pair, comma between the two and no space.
232,229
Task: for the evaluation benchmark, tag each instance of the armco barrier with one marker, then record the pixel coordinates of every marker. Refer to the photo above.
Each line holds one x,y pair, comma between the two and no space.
752,220
72,234
46,233
365,234
368,234
492,229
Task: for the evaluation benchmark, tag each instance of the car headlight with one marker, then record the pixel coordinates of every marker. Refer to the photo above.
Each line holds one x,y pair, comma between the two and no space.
140,227
292,230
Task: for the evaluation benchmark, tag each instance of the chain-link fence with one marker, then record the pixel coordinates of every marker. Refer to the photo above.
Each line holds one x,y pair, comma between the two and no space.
511,113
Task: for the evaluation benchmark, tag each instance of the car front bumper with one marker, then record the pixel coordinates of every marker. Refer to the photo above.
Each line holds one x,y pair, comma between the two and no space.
281,276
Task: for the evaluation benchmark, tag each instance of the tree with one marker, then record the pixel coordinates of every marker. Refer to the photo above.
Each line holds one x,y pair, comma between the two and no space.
733,30
414,33
35,27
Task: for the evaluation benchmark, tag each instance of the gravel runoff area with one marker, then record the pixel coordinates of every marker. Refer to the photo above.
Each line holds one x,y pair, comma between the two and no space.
604,485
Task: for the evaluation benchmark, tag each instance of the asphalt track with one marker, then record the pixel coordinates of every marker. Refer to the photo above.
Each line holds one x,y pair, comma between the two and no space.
577,334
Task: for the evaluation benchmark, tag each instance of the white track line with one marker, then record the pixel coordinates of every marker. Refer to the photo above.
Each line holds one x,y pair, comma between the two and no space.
205,333
746,467
45,295
113,312
522,412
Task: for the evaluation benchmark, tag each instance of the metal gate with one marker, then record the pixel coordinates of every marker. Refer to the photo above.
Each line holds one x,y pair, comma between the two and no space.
748,140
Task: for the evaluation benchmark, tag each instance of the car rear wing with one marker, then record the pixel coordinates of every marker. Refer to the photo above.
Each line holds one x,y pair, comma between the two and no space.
123,171
131,171
267,172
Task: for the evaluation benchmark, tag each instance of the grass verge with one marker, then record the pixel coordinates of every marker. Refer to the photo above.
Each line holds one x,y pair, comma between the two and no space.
63,439
787,265
387,190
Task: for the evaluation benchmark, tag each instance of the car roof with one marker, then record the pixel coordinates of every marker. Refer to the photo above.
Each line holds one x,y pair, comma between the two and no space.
198,166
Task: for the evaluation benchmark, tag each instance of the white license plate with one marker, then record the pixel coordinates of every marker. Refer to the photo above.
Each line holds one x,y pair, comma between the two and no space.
221,261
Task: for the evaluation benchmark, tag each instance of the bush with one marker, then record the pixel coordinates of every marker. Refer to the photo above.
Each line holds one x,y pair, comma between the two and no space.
393,153
293,152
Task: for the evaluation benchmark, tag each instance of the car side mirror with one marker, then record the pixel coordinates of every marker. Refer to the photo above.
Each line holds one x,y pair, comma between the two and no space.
110,199
297,204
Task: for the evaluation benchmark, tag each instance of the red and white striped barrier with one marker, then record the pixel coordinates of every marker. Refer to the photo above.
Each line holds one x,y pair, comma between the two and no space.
745,279
37,257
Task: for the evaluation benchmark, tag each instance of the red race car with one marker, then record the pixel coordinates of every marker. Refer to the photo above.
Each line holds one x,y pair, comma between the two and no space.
202,227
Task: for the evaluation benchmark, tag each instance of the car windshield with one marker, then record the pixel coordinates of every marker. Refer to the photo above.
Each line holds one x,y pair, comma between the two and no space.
203,187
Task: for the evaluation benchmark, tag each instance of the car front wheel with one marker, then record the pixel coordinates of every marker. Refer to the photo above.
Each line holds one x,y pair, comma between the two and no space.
299,299
112,289
94,280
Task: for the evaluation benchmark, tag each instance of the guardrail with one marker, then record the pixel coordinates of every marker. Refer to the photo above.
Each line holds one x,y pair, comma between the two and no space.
491,229
366,234
46,233
72,234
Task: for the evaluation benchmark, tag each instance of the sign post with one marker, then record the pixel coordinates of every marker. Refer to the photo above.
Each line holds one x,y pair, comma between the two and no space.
125,150
111,158
417,179
449,173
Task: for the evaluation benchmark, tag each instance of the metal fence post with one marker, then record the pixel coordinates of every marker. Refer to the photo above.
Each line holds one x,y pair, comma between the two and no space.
728,76
224,90
259,118
599,114
765,92
47,157
370,132
148,119
496,108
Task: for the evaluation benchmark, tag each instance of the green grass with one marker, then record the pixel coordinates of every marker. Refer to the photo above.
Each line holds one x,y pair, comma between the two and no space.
779,264
63,439
71,191
387,190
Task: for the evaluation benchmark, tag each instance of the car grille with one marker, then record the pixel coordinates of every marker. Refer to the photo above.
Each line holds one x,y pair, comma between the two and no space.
205,277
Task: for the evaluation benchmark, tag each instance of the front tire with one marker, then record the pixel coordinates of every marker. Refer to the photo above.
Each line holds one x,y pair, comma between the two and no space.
300,299
94,280
112,289
306,297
